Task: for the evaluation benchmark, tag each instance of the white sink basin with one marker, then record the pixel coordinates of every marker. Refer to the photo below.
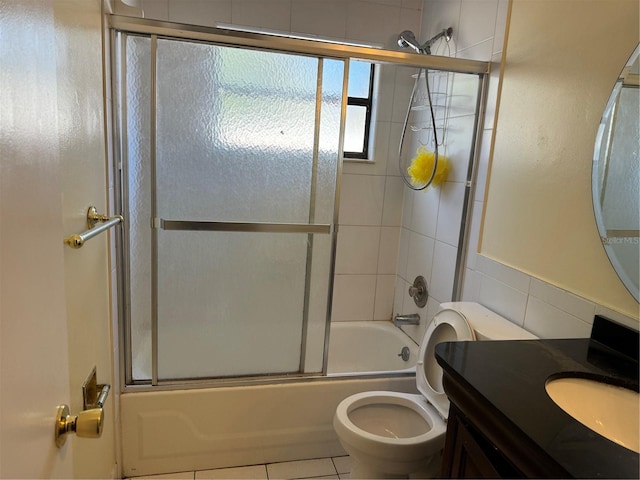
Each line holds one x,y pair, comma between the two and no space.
609,410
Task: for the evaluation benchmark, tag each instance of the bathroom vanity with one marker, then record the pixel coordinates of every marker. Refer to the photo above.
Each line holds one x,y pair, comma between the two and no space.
503,424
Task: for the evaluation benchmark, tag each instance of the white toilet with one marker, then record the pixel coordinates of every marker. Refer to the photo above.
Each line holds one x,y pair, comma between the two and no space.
393,435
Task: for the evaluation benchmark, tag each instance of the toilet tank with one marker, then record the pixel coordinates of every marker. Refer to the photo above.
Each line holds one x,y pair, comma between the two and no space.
488,325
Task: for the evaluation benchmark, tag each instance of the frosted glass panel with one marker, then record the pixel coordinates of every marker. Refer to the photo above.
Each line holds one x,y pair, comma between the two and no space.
231,303
241,136
354,129
236,142
137,186
235,133
329,139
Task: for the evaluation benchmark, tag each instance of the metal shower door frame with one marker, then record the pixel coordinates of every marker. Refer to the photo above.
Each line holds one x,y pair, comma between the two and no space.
225,37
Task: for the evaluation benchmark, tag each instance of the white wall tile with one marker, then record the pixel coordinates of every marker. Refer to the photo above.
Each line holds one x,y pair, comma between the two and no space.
443,272
419,257
501,24
373,22
438,15
385,83
483,165
416,332
357,250
474,235
395,3
563,300
410,19
395,131
470,286
546,321
393,201
415,4
402,286
403,252
389,246
477,23
380,153
450,212
424,214
403,88
200,12
156,9
274,14
479,51
502,299
407,208
512,277
458,147
361,199
385,290
353,297
327,18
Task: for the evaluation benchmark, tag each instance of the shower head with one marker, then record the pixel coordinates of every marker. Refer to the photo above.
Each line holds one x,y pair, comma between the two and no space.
408,39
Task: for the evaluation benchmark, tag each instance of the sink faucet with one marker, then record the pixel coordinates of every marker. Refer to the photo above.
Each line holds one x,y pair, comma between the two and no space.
411,319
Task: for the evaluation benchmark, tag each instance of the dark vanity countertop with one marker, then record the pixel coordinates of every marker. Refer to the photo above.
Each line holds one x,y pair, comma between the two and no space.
508,378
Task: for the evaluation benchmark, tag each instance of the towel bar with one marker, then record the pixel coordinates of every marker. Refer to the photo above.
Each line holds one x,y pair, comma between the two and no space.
93,218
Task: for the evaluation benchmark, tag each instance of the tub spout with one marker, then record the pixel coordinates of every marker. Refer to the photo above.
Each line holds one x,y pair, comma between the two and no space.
411,319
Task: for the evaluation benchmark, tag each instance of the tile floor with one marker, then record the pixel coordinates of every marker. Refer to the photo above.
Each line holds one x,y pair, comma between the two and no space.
336,468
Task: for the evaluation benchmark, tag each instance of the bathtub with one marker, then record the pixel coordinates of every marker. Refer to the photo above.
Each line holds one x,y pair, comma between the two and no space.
369,347
205,428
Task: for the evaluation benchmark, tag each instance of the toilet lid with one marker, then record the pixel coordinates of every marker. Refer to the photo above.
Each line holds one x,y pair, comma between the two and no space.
447,326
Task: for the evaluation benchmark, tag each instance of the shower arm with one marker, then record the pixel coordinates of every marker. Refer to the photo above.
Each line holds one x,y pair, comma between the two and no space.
444,33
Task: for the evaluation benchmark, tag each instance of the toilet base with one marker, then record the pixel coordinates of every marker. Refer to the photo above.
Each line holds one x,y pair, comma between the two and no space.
364,470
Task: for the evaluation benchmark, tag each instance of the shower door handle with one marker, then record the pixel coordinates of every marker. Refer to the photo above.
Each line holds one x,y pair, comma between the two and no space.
263,227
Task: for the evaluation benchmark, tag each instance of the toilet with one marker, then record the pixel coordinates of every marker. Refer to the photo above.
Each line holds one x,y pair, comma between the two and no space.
394,435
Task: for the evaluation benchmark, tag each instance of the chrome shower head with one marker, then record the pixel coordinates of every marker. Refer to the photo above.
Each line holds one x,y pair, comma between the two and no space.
408,39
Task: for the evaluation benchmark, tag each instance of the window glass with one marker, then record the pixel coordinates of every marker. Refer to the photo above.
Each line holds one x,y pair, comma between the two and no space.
359,106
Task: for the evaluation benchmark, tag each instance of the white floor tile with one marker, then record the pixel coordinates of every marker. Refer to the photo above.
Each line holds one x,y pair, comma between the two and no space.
249,472
168,476
342,464
301,469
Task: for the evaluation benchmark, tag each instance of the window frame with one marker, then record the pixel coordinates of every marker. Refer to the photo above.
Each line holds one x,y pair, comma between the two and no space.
366,102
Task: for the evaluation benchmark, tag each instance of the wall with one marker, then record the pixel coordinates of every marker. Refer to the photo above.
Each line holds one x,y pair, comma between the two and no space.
557,79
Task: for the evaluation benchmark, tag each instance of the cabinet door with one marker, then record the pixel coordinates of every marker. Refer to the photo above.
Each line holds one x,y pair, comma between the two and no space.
464,457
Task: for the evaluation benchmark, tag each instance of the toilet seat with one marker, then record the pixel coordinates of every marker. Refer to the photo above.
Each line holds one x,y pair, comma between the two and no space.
447,325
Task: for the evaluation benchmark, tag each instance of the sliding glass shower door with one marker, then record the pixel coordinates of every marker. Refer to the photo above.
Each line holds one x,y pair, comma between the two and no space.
229,168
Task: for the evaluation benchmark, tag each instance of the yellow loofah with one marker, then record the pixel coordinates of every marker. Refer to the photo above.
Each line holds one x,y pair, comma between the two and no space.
422,167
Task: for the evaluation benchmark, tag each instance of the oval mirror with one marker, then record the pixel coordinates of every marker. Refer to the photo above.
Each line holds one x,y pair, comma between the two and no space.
616,176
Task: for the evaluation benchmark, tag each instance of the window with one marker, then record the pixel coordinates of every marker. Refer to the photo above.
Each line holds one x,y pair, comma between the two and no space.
359,103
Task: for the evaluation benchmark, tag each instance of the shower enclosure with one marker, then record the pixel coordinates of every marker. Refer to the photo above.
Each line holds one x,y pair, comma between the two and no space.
228,175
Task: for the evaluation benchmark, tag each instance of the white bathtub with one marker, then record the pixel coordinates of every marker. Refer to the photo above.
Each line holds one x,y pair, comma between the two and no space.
205,428
369,347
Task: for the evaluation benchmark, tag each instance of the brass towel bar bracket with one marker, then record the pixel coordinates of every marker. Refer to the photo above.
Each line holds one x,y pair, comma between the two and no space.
93,219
